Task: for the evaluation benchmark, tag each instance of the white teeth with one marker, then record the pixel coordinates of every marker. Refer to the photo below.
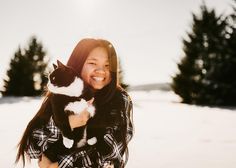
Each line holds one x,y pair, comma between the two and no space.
98,78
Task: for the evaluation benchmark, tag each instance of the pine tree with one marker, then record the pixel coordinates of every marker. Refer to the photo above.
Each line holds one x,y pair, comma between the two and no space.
39,61
20,82
201,79
25,76
229,68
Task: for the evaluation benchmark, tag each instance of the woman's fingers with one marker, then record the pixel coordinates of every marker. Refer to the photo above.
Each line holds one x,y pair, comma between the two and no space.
85,115
91,108
82,117
90,101
44,162
53,165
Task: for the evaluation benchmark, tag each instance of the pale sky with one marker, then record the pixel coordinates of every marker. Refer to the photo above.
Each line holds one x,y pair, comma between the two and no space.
146,34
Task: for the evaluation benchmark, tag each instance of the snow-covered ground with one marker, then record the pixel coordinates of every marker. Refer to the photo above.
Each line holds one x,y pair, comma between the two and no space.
168,134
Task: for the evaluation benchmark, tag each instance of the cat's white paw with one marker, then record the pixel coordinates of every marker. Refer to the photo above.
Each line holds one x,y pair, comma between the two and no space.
68,143
77,106
91,110
92,141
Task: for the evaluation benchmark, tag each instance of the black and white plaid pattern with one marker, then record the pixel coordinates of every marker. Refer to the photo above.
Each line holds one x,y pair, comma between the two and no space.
47,135
67,161
115,148
43,137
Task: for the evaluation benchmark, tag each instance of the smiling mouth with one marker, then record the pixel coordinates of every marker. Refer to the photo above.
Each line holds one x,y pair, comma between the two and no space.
98,79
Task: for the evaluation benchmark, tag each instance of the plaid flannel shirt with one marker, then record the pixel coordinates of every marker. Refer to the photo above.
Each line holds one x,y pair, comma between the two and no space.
45,136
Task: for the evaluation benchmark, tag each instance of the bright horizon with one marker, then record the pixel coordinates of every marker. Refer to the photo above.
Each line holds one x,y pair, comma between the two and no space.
146,34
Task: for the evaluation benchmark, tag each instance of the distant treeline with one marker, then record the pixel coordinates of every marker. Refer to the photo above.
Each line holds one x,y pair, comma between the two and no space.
150,87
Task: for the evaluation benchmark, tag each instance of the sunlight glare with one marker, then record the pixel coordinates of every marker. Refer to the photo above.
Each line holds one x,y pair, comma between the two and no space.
87,7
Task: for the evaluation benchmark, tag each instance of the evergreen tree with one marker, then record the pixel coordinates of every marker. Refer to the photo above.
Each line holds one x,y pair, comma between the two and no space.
25,76
229,68
39,62
203,69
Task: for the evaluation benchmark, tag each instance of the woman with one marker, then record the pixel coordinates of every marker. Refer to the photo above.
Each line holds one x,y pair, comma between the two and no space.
95,61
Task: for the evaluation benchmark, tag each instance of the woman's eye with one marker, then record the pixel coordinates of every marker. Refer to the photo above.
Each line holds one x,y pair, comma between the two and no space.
91,63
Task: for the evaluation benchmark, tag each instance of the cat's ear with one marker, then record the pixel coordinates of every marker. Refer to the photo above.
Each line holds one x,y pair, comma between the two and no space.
60,64
54,66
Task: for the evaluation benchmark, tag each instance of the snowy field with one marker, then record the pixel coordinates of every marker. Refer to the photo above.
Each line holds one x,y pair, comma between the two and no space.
167,134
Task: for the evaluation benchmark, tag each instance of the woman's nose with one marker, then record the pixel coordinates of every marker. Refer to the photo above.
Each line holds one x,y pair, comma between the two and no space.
100,70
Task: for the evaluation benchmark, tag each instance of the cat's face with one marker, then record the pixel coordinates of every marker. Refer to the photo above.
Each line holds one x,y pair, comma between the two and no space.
62,76
64,80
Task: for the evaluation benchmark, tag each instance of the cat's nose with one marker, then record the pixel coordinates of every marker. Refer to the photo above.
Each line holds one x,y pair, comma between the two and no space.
52,80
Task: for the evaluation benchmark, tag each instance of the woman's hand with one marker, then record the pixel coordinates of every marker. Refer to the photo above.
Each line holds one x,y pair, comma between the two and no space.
78,120
108,165
53,165
46,163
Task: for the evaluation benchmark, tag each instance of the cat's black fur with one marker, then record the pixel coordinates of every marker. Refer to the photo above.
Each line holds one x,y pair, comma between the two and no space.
63,92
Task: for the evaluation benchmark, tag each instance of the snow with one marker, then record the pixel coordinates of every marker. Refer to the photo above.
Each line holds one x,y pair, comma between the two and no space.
168,134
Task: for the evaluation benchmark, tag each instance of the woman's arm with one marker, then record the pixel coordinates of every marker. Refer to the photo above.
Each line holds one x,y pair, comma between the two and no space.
118,134
76,120
44,162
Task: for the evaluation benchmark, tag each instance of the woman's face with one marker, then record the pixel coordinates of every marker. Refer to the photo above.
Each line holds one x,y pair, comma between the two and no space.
95,71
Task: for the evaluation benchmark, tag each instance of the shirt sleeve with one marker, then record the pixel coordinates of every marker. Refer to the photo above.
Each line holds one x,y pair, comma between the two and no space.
120,128
41,138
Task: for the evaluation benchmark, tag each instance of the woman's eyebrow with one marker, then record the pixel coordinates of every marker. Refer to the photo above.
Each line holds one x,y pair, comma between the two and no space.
92,59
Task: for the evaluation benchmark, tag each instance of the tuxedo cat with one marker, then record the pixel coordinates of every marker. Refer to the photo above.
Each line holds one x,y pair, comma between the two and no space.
69,96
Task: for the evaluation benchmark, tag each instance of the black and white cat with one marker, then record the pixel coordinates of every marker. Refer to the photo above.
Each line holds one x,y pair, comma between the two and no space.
70,96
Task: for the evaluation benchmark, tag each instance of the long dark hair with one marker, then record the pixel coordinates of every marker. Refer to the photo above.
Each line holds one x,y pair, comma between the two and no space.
76,61
41,118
